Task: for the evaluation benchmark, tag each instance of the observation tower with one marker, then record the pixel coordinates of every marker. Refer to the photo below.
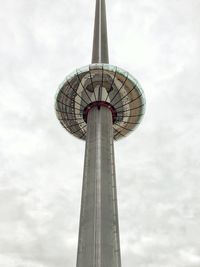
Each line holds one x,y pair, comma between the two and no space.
99,103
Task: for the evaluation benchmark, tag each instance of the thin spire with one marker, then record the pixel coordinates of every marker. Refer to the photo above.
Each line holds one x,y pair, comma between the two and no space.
100,41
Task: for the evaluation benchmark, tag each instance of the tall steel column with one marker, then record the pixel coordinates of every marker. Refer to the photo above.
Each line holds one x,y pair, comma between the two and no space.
99,233
99,103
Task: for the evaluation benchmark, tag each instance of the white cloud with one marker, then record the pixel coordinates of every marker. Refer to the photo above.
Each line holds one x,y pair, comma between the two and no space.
41,164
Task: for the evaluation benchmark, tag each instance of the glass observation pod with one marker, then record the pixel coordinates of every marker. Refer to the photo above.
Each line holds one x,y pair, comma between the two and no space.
103,85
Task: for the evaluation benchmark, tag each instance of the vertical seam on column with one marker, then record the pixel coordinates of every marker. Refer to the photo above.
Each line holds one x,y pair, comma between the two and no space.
99,126
97,212
100,31
95,193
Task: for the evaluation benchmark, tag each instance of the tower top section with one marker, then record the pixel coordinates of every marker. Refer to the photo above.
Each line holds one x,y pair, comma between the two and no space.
100,40
97,85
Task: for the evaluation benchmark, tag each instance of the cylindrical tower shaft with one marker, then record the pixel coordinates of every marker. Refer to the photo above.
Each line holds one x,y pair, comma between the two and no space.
99,233
100,41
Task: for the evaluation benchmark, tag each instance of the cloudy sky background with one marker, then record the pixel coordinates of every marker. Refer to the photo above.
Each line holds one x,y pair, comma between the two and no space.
158,166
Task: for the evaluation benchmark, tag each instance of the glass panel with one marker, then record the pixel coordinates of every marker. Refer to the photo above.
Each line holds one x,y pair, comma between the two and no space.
139,87
109,67
123,72
82,69
97,66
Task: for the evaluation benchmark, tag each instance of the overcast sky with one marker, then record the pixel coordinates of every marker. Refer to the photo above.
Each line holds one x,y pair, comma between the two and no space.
158,166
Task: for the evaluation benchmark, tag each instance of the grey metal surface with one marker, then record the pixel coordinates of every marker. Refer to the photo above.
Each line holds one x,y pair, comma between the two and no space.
100,41
99,232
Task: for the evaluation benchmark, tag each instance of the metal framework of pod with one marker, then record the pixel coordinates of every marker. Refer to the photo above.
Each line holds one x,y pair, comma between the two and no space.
100,85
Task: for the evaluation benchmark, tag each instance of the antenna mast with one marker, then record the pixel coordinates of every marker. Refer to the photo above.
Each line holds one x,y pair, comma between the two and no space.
100,41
